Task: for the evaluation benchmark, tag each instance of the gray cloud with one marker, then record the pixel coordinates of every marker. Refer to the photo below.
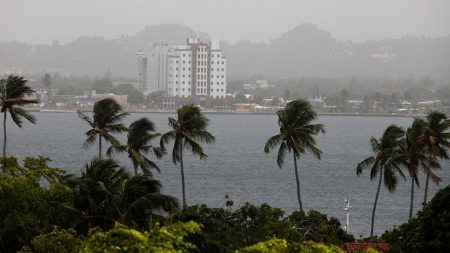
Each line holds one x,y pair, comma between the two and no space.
41,21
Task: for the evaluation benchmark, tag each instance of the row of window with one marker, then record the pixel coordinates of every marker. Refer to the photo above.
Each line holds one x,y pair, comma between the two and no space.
203,63
198,89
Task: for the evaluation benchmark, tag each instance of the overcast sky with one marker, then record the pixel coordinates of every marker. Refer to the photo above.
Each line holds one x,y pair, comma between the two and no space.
41,21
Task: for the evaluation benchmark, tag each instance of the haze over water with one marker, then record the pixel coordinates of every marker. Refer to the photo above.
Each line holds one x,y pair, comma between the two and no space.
237,165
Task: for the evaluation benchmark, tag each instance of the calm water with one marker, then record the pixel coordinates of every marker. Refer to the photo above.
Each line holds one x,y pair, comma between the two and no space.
237,165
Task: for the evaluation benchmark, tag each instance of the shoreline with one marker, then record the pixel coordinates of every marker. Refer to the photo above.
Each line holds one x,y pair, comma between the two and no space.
238,113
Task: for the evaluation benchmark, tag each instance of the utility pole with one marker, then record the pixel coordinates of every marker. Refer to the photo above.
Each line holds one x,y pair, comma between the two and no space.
347,213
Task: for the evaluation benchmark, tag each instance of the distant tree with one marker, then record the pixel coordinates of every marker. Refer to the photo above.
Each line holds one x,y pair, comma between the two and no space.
102,86
275,101
287,94
383,162
140,134
296,135
135,97
188,130
107,119
47,81
13,90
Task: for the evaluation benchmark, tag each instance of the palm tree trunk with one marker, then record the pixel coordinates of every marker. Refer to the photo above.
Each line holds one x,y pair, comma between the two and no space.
298,184
426,181
4,134
412,198
100,147
376,201
182,176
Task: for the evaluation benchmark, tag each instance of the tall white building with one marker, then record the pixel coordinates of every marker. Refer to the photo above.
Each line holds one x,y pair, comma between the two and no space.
158,66
196,69
142,70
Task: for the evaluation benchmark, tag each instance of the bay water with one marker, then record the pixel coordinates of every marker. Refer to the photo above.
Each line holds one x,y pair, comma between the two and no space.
238,167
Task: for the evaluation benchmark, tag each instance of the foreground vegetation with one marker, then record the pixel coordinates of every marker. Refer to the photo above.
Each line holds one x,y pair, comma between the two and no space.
107,209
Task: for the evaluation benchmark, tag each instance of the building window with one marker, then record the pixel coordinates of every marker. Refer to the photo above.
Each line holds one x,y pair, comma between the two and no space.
183,89
183,82
223,69
222,76
223,62
222,83
184,62
176,89
183,75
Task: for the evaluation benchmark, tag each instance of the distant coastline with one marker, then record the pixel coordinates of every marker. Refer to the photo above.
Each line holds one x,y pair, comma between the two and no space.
237,113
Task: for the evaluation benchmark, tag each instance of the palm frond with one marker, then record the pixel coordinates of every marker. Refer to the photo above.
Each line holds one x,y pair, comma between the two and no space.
273,142
364,164
281,154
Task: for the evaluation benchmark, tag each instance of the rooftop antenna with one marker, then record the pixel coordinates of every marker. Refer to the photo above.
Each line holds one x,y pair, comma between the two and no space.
347,213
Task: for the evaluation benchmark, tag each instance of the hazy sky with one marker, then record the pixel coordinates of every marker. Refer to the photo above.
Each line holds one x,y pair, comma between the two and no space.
41,21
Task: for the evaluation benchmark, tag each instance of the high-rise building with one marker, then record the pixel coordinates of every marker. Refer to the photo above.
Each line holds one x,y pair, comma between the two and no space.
196,69
158,66
142,70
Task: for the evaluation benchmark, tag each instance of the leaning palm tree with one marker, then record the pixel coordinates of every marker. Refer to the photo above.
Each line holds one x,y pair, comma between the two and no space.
436,139
188,130
107,195
296,135
384,162
106,120
412,155
138,193
13,91
140,134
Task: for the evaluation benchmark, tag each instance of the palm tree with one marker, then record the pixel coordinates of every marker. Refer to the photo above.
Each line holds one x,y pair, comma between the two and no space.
106,120
13,91
140,133
107,195
296,135
436,139
412,155
384,162
188,130
138,201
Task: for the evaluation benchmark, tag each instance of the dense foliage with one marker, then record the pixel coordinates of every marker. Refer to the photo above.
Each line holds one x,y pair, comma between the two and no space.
31,201
225,229
429,231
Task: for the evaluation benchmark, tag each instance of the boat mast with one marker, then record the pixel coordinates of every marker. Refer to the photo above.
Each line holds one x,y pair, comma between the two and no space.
347,213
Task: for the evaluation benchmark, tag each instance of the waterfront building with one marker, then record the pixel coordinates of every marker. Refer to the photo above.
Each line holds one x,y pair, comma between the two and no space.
158,66
142,70
194,69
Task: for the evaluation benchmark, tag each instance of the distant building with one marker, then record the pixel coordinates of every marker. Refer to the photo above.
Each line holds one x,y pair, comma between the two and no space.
194,69
197,69
158,66
142,70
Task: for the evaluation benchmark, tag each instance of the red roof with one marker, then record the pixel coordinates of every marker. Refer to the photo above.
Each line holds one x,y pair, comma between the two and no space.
351,247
